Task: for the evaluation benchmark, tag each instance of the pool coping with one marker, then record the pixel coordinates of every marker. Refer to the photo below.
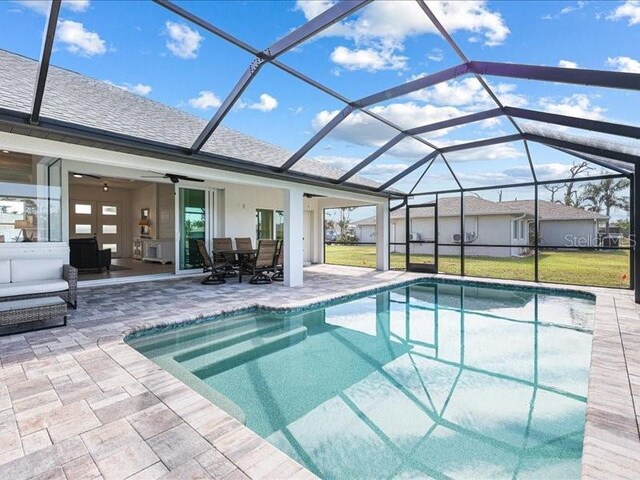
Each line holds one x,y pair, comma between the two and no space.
607,432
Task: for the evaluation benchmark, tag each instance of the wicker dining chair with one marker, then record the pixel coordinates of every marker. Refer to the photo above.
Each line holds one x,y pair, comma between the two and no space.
217,271
264,262
278,276
222,245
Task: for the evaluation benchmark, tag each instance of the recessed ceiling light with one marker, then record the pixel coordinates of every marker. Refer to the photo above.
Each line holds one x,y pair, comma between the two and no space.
77,175
6,151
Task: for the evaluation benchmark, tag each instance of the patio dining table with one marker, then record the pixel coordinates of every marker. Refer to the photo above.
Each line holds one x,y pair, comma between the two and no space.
241,254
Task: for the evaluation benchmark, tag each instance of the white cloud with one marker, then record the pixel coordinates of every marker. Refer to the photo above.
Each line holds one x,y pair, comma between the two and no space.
297,110
183,42
566,10
436,55
380,29
629,10
206,99
43,7
138,88
360,129
78,40
468,92
567,64
369,59
624,64
577,105
490,152
266,103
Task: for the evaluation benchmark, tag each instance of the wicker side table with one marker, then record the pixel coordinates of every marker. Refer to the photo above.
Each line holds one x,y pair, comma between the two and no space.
16,312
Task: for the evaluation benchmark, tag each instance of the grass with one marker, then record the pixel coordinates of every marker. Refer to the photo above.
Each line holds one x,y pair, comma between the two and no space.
598,268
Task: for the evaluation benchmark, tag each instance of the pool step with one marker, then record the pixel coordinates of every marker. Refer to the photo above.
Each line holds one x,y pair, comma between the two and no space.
191,335
229,338
212,363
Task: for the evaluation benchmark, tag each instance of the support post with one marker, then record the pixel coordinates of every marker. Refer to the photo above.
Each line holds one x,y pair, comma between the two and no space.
636,231
293,237
382,236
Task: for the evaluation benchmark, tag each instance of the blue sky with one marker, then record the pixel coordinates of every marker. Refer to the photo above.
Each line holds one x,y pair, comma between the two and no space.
151,52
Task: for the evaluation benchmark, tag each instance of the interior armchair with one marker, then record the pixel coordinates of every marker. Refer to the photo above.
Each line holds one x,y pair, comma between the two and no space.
85,255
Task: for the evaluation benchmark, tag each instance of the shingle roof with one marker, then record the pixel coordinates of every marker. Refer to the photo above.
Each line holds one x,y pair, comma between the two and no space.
78,99
475,206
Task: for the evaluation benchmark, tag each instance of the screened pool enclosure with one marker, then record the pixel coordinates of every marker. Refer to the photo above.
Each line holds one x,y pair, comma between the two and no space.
489,187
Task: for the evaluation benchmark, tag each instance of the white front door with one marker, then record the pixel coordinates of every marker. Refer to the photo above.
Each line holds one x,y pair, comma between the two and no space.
308,236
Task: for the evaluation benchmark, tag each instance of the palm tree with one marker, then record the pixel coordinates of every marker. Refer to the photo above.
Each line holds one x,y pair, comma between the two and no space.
606,195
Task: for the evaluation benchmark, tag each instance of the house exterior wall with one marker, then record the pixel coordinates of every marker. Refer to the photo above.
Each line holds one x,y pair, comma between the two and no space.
488,230
567,233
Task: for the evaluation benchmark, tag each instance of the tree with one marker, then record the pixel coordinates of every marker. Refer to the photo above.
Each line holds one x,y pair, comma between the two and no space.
570,196
605,195
344,222
553,189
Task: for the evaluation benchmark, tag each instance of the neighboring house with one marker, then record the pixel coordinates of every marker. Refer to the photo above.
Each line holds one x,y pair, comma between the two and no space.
507,224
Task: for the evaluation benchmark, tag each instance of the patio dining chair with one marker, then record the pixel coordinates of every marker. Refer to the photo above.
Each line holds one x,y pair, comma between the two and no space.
220,246
244,244
217,271
278,276
264,262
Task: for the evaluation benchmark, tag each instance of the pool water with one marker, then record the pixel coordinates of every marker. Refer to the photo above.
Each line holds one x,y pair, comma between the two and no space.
425,381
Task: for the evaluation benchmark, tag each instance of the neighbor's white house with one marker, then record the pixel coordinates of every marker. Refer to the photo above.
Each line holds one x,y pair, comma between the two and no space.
506,223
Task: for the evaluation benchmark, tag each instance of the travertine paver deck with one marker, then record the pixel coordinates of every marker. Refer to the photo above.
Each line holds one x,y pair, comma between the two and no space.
77,402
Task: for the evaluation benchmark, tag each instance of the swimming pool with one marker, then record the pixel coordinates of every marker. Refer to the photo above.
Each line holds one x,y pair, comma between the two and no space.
426,380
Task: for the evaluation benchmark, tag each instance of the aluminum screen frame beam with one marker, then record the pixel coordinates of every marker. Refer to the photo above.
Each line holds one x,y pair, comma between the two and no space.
452,148
574,76
574,122
373,156
407,171
45,59
455,122
591,160
361,104
580,147
314,26
313,141
327,18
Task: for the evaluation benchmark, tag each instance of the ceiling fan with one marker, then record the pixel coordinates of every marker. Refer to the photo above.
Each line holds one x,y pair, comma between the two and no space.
175,178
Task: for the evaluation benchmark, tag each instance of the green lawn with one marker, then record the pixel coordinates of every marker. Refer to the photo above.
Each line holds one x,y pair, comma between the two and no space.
602,268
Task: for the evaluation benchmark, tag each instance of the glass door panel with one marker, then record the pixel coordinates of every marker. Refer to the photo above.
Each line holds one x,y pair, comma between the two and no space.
422,249
193,226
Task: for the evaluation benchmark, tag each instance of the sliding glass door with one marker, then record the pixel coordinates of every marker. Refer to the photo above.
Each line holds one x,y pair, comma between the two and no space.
195,222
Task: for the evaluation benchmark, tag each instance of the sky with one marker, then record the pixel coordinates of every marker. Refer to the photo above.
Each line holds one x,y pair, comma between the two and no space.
144,48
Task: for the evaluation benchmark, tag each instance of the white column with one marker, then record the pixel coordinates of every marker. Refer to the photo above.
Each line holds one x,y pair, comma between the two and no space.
382,236
293,237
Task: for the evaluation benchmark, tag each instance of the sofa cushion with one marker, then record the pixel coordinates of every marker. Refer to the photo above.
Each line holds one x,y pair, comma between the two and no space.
27,270
30,288
5,271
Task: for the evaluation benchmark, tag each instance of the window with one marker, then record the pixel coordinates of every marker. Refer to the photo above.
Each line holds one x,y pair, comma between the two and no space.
264,224
30,198
110,229
109,210
279,225
514,234
83,229
112,246
83,208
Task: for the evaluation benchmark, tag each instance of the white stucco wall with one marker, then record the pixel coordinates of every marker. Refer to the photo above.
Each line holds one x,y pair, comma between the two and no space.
561,233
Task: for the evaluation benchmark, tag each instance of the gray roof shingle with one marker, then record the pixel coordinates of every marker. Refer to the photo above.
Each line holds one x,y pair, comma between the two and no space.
78,99
475,206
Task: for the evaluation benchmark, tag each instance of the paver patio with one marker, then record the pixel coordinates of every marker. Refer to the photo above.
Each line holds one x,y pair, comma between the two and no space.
77,402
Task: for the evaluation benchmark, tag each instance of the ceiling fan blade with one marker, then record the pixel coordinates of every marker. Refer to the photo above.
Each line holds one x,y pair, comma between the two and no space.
184,177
